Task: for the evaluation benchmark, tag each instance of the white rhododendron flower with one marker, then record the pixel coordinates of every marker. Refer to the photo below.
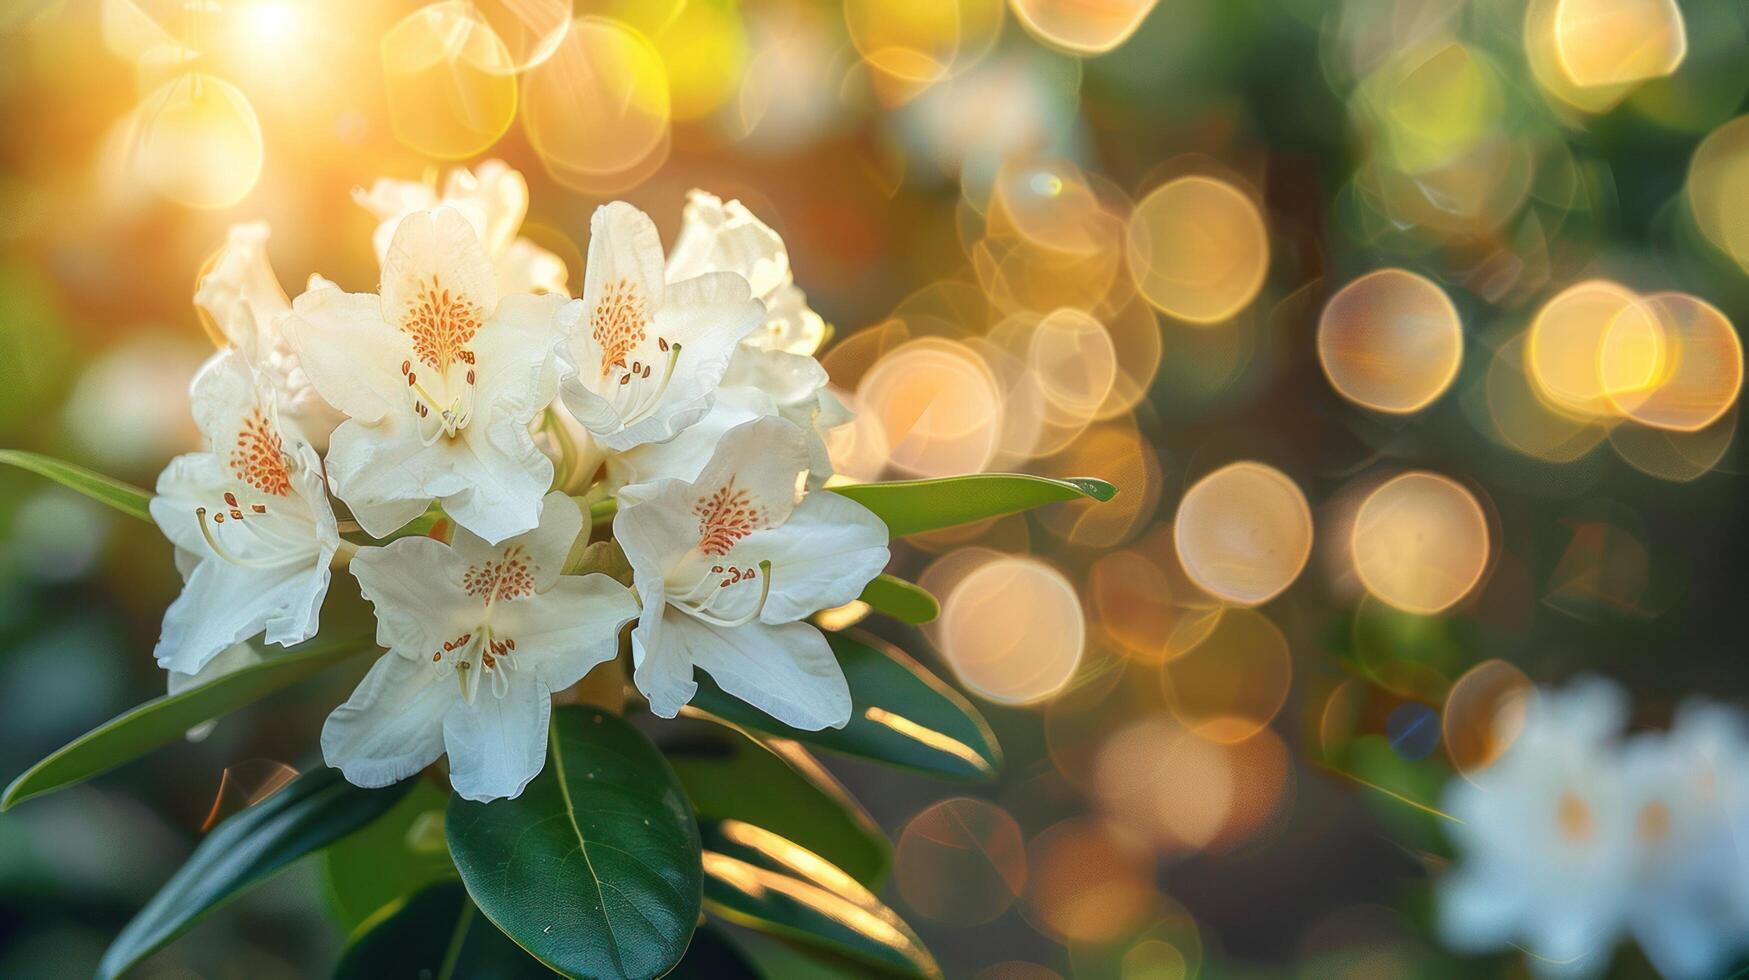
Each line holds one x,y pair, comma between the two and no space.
643,356
494,199
1576,837
719,237
245,301
250,520
479,636
439,378
728,564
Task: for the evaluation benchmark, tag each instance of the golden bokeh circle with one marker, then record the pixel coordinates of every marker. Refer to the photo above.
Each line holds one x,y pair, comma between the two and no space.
1420,543
1600,43
531,30
1483,714
1165,782
449,81
1244,532
939,407
599,106
1231,684
1072,356
923,41
1079,27
1718,183
1593,348
1701,368
1091,881
198,142
1198,249
1013,630
1390,341
961,861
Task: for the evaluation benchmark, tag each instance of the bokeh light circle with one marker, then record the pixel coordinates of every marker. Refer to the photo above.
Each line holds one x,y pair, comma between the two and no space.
1091,881
1244,532
962,862
449,81
1390,341
198,142
939,407
1718,183
1484,712
1594,347
1420,542
1230,685
598,107
1013,630
1080,27
1198,249
1701,369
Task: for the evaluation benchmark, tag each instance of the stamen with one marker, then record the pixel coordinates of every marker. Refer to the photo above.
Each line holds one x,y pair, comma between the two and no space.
212,541
642,401
759,607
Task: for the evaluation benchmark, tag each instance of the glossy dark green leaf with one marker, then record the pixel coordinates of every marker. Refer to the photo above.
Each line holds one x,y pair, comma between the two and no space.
311,812
915,506
594,869
397,855
781,787
905,601
125,497
161,721
435,934
900,714
764,881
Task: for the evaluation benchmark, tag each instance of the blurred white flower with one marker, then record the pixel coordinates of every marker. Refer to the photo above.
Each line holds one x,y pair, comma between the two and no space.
242,295
1576,837
460,617
728,564
439,378
719,237
249,518
643,356
494,199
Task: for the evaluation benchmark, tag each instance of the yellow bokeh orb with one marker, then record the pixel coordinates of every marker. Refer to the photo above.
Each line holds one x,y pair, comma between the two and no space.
198,142
938,405
1718,183
1082,27
1701,371
598,107
1198,249
1390,341
1244,532
1612,42
1013,630
449,81
1420,543
1593,347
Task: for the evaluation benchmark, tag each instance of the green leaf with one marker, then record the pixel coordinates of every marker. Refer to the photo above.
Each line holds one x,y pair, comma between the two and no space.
900,714
914,506
396,856
782,788
594,869
311,812
905,601
125,497
712,956
161,721
764,881
437,933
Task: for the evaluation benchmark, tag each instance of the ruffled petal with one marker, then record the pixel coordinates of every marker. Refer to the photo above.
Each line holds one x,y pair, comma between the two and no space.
786,671
392,726
565,631
497,744
821,557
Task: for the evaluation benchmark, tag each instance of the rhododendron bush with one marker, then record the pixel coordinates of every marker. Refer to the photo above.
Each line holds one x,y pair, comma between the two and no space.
561,513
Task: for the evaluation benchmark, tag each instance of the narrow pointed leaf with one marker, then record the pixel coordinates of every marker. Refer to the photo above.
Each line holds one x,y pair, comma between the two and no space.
900,714
905,601
160,721
396,856
125,497
782,788
915,506
436,934
311,812
594,869
766,882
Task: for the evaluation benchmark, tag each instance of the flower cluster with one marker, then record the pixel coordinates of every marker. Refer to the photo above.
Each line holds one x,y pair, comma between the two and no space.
1579,834
684,386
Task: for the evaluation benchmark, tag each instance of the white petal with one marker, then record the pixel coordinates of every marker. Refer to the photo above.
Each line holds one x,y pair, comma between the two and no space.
564,631
407,581
504,477
348,352
790,379
662,669
496,745
821,557
1478,912
786,671
684,456
514,350
222,394
190,481
385,475
656,528
392,726
222,604
764,459
623,246
241,292
524,267
437,255
561,521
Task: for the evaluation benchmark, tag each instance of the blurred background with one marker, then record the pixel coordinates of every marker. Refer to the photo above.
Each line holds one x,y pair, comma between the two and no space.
1453,282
